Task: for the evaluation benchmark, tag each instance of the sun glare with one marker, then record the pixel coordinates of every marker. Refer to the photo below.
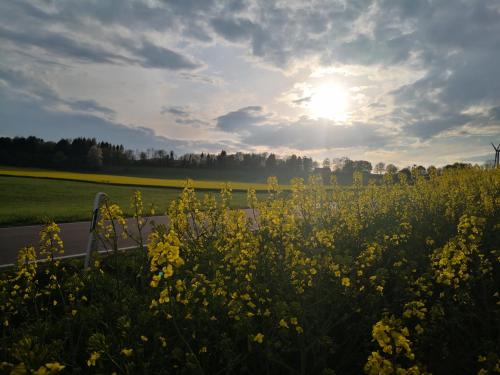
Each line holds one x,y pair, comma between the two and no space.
329,101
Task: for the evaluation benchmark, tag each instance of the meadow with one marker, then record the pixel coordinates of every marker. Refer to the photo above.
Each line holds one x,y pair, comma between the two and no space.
25,201
128,180
395,278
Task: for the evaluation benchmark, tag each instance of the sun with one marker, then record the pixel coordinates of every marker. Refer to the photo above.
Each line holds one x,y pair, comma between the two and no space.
330,102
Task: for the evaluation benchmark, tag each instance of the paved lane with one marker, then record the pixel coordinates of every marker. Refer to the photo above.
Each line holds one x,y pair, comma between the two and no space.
74,236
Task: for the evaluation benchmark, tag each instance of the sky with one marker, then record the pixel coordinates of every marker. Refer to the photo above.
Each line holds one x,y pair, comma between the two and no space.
404,82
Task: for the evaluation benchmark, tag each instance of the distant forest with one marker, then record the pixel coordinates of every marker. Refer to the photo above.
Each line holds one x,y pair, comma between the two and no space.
88,154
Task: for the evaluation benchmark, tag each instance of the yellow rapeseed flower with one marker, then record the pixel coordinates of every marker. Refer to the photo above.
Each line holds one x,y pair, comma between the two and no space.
163,341
93,358
283,324
346,282
259,337
55,367
127,352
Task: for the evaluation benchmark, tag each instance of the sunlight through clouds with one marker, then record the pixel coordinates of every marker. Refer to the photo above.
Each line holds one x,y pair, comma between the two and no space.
329,101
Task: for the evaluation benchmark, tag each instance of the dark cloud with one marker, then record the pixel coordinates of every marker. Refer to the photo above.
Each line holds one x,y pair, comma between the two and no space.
440,101
241,120
153,56
196,123
90,106
146,54
367,51
214,80
495,113
20,84
62,46
253,127
358,31
184,17
307,134
303,100
234,30
176,111
17,80
427,128
183,116
235,6
189,7
32,11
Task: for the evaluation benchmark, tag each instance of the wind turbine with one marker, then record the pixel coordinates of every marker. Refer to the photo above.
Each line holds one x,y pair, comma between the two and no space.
497,154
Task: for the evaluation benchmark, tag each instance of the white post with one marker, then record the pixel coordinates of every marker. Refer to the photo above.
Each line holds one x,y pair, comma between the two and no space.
92,244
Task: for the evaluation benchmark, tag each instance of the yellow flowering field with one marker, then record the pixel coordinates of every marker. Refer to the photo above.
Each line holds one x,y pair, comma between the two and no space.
378,279
123,180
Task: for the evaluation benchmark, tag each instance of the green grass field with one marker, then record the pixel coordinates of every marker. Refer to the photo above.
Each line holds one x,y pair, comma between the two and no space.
26,201
112,179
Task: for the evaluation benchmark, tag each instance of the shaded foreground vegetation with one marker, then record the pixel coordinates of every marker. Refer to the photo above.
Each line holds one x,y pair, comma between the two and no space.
386,279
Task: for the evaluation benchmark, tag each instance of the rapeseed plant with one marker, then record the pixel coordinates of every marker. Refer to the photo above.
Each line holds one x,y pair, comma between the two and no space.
396,278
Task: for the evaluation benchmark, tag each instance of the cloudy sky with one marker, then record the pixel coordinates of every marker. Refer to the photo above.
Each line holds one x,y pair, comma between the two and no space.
410,81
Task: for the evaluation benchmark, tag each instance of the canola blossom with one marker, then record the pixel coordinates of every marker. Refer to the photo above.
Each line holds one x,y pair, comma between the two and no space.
390,278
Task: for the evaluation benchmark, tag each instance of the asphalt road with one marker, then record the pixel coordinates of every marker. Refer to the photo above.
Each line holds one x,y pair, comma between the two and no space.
74,235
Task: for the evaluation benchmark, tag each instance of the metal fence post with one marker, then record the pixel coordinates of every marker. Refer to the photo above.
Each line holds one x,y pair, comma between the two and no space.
92,244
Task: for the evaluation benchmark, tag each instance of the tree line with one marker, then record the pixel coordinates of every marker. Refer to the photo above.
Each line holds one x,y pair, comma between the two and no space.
88,154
